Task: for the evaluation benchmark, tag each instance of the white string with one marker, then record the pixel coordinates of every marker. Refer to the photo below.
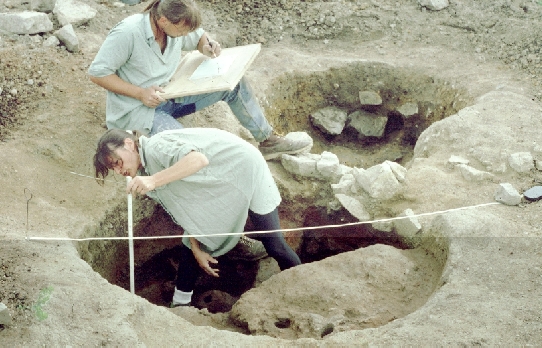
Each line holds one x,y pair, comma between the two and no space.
90,177
263,232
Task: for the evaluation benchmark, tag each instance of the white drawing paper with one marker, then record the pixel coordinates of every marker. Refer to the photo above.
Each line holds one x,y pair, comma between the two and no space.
213,67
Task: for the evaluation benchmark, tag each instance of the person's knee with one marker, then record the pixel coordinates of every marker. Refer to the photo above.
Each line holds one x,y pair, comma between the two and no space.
184,110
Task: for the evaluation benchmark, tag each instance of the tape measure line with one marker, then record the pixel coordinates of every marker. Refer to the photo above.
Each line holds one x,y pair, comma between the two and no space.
263,232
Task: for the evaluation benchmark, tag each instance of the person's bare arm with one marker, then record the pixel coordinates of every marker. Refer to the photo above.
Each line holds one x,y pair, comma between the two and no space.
204,260
117,85
186,166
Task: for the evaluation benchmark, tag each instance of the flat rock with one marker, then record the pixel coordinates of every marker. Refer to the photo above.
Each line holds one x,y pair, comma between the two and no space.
533,194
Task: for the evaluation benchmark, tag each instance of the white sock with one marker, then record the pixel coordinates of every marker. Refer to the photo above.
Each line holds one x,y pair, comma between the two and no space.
181,297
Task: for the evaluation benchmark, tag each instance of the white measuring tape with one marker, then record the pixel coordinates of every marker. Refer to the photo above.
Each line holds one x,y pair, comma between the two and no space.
263,232
131,238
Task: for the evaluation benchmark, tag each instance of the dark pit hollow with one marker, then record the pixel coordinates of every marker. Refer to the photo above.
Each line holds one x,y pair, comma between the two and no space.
293,98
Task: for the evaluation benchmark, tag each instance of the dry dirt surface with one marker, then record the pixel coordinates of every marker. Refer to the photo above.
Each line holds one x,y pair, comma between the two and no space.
473,277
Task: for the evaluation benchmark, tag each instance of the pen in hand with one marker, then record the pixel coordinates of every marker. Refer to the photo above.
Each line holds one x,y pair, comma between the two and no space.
209,42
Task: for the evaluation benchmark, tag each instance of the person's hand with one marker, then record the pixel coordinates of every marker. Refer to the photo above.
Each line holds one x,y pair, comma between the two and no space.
211,49
141,185
150,98
204,261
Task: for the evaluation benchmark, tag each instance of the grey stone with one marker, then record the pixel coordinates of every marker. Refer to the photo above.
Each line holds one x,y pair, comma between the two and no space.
5,317
408,109
398,170
328,166
27,22
383,226
329,120
409,226
368,124
507,194
473,174
378,181
435,5
533,194
370,98
51,41
73,12
304,164
521,162
67,36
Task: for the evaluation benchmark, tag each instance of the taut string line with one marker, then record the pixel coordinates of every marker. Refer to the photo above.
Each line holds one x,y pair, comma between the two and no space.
263,232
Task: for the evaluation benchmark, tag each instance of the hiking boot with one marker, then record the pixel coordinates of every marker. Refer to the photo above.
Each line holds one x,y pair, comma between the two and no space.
276,146
247,249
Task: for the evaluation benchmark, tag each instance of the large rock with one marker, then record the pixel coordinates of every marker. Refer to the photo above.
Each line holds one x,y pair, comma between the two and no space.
367,124
303,165
329,166
408,226
473,174
379,181
73,12
507,194
329,120
67,36
27,22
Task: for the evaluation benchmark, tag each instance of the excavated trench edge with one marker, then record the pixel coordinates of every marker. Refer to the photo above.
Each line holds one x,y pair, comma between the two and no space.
294,97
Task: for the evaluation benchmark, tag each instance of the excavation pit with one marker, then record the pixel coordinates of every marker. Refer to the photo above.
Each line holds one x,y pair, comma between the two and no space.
399,273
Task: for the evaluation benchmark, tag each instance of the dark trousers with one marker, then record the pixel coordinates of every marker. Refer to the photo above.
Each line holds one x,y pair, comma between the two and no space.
274,244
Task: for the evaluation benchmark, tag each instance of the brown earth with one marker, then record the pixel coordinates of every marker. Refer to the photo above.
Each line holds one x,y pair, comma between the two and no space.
483,288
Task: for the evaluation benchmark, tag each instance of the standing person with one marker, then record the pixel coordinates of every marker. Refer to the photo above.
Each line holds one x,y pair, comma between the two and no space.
209,181
142,52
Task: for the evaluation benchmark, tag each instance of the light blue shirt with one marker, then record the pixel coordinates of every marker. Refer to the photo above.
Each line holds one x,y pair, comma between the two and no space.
216,199
131,52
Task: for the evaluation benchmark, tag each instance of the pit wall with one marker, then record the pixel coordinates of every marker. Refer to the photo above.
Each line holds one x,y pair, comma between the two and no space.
110,258
294,96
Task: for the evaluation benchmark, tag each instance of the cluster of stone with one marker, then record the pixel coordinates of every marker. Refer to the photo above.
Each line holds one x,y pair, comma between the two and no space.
41,17
333,120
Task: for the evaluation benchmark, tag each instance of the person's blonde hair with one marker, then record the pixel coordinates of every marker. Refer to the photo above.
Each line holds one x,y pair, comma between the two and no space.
176,11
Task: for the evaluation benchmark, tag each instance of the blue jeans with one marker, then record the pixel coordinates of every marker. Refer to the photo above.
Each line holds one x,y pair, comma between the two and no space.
274,243
241,100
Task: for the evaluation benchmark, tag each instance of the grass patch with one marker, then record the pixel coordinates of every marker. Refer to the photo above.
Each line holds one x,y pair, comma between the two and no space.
43,298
